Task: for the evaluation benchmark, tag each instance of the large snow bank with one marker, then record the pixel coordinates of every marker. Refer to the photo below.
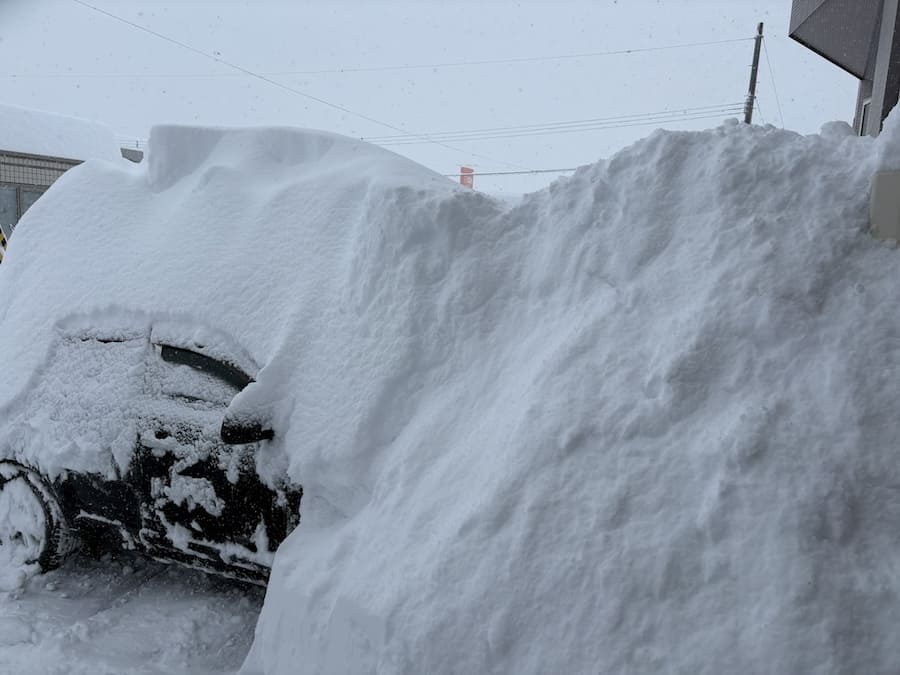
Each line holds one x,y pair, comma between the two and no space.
42,133
643,421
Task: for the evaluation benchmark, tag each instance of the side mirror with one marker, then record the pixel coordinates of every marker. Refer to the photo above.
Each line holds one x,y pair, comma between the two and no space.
237,432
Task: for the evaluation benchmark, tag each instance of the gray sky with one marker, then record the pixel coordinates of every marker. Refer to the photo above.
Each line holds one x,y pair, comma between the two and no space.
60,56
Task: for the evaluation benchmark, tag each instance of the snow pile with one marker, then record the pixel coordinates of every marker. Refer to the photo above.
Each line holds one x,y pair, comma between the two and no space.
643,421
43,133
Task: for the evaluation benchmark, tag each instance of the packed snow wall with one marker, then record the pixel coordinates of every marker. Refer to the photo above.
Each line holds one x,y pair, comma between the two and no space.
642,421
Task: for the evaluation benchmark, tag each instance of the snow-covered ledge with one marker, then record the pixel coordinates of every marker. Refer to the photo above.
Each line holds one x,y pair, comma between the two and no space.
884,205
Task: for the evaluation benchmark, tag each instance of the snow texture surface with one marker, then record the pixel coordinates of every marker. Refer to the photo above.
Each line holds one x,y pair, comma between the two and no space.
642,421
42,133
126,616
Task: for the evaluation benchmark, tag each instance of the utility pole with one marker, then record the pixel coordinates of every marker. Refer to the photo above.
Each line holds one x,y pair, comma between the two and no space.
751,95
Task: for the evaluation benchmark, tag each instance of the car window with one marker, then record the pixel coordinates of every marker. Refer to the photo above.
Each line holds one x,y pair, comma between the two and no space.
196,377
223,371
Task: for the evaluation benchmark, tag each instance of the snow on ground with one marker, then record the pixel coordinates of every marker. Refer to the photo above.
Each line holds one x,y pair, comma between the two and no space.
126,615
42,133
641,421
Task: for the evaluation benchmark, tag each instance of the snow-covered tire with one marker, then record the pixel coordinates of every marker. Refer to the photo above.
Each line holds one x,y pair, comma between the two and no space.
34,535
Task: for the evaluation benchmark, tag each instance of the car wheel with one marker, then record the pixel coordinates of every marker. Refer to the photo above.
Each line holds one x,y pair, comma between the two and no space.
34,536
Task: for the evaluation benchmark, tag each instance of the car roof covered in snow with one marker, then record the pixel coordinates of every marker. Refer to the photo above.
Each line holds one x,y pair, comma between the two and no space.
238,232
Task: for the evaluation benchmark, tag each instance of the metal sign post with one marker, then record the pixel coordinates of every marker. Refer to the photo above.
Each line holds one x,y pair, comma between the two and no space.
467,177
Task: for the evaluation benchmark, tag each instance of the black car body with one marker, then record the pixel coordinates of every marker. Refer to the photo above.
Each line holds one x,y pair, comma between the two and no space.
188,490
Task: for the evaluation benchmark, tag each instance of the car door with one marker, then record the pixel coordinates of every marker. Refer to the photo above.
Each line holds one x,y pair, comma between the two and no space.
202,496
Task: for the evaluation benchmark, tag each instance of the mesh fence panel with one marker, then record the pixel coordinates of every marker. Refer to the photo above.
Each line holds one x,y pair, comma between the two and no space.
22,169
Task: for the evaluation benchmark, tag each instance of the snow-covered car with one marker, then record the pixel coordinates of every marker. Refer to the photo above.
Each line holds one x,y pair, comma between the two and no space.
174,354
171,476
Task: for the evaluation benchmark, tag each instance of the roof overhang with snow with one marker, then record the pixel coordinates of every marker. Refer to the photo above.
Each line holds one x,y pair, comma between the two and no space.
842,31
34,132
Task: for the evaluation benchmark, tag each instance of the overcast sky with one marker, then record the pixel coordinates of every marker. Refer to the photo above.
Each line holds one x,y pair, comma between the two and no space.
61,56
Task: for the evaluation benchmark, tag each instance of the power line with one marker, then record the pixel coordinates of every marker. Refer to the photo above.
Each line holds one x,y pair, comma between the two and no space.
551,132
591,122
774,87
512,173
285,87
521,59
759,108
408,137
598,127
371,69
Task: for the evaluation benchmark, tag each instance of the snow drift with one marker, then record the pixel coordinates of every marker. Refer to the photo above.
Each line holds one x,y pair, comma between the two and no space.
643,421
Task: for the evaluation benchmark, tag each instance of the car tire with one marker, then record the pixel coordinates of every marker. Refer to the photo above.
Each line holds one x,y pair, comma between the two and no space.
34,534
